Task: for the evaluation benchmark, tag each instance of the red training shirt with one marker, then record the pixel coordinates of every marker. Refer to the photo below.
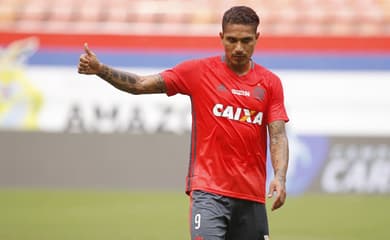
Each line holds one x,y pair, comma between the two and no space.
230,114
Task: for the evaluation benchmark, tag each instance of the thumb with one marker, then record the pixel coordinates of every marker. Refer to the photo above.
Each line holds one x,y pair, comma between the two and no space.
87,51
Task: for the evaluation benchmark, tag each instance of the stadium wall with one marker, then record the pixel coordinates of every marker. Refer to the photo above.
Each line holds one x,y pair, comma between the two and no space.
93,161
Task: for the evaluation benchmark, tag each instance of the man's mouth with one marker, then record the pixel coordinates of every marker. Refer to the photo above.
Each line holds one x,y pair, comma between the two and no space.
239,56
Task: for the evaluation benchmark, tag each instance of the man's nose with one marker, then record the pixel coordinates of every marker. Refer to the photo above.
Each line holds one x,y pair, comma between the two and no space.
239,47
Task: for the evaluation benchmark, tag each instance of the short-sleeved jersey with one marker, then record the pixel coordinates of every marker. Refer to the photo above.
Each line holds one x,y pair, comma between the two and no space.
230,114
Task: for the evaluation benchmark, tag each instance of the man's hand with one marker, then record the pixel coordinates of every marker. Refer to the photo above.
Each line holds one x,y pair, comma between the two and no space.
88,64
278,186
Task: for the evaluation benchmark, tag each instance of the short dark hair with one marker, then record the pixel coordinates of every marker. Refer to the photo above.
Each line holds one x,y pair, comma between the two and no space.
240,15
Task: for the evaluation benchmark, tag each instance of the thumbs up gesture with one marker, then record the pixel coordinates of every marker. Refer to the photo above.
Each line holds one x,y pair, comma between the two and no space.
89,63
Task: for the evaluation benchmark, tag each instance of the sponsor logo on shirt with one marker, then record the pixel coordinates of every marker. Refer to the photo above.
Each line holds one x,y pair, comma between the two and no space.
257,92
238,114
241,92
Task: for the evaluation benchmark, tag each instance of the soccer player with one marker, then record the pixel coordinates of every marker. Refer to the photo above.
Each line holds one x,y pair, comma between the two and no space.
236,105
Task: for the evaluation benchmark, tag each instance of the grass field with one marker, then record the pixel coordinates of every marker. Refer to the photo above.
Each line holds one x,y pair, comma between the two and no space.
94,215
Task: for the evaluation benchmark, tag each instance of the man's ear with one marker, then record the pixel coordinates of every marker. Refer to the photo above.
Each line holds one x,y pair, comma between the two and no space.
257,35
221,35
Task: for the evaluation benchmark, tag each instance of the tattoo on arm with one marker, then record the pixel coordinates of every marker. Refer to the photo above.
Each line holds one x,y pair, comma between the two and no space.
112,75
279,149
158,84
131,82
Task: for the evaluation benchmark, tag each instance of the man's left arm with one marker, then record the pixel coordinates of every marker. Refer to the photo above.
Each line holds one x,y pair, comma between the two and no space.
279,159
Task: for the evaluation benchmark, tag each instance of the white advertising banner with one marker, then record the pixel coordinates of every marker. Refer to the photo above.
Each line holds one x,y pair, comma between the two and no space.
57,99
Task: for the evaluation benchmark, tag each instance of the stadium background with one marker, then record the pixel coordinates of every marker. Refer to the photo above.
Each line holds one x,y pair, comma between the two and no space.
63,135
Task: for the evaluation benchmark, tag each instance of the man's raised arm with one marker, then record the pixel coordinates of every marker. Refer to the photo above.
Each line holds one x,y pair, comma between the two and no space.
125,81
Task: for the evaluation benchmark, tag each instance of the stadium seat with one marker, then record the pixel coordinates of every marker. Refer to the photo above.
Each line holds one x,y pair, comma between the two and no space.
307,17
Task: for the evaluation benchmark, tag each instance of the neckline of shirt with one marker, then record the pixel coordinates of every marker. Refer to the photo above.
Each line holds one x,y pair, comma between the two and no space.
223,58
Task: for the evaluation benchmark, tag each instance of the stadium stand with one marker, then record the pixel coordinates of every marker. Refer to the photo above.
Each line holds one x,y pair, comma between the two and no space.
279,17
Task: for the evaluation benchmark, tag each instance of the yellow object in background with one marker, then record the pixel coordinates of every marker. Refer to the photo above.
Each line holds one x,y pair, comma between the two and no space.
20,100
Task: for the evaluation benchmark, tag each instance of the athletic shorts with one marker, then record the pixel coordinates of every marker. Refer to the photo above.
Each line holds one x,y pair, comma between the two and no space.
216,217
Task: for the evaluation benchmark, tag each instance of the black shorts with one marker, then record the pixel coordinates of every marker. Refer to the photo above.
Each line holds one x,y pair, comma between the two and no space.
215,217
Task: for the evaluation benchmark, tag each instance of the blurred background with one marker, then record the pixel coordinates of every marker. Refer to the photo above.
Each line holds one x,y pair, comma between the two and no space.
78,157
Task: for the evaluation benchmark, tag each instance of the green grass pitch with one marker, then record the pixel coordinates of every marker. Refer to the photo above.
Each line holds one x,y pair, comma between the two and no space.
98,215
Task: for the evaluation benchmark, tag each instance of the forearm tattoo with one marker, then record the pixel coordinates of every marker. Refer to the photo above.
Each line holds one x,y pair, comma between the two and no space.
112,76
279,149
131,82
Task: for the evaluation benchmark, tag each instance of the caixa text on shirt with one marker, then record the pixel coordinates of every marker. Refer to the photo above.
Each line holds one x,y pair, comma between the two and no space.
238,114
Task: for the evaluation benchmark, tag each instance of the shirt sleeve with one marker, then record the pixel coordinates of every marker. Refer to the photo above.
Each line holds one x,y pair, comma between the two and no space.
276,108
182,78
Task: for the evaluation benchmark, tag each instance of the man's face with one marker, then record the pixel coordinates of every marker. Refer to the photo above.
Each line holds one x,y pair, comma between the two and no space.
239,42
